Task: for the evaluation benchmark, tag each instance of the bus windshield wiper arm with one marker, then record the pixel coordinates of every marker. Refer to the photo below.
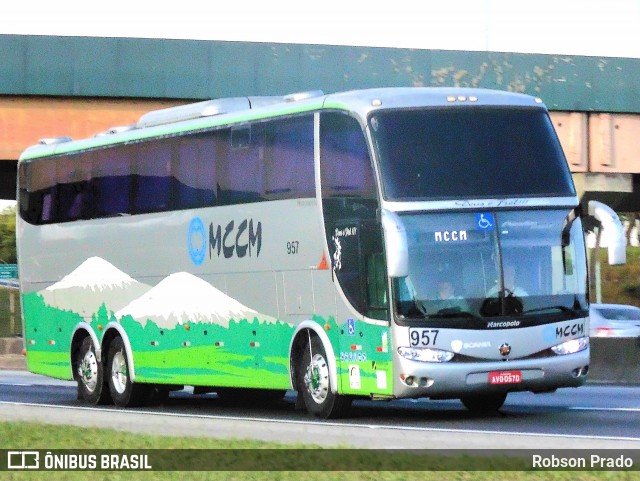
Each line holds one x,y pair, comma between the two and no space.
449,313
558,308
415,310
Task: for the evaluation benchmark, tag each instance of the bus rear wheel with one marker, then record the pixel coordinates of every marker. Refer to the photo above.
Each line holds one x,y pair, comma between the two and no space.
89,374
124,392
485,402
314,383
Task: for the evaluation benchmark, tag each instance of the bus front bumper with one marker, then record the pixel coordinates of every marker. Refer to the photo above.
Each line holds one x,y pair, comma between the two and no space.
449,380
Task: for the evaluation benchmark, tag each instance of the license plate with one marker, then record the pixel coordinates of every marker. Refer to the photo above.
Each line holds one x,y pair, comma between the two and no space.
505,377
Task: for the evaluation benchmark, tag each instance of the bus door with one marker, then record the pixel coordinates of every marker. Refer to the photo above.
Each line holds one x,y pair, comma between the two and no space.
364,344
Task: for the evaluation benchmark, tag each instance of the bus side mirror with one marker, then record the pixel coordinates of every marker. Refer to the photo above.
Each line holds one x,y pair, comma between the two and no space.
395,240
612,230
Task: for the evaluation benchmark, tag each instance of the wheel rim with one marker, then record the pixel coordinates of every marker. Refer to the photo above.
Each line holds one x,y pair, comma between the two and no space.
317,378
119,372
88,371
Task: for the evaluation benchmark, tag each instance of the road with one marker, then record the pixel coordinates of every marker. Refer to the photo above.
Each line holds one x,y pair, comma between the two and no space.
591,417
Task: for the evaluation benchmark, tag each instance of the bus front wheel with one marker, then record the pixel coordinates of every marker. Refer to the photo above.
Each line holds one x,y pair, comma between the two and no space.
314,383
89,374
124,392
484,402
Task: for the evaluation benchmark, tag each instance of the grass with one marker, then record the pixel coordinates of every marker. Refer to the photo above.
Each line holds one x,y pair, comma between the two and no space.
620,284
25,436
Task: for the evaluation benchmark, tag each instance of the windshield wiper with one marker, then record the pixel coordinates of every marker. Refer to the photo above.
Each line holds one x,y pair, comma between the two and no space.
557,308
449,313
413,311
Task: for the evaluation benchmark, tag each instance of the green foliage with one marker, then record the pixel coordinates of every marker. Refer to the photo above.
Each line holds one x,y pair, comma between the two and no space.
8,236
58,326
620,284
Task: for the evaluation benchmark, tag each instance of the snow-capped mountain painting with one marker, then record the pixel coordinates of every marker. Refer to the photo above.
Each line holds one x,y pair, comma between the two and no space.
91,284
183,297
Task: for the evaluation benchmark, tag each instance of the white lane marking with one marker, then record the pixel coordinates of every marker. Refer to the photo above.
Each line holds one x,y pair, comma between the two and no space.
327,423
50,384
586,408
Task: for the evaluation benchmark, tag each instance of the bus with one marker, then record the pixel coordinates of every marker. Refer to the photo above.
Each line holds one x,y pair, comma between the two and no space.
356,245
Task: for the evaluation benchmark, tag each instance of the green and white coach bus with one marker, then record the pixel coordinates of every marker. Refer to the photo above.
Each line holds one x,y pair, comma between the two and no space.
354,245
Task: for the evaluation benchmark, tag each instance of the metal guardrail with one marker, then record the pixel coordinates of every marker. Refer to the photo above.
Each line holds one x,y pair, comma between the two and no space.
10,283
615,360
10,309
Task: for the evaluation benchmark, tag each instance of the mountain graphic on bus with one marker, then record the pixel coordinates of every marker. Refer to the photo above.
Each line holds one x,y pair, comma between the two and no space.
91,284
183,297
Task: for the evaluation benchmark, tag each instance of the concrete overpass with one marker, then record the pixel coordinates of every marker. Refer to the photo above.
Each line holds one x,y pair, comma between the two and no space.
78,86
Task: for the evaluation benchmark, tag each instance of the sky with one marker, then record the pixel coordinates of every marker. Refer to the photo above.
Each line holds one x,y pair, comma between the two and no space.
575,27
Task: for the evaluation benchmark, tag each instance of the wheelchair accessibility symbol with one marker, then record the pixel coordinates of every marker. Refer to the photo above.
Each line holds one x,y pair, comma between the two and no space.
485,221
351,327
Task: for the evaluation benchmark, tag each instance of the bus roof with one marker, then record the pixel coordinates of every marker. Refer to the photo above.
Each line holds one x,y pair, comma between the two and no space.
364,101
236,110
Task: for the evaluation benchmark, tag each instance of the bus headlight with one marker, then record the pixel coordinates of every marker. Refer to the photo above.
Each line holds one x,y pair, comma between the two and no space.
425,354
572,346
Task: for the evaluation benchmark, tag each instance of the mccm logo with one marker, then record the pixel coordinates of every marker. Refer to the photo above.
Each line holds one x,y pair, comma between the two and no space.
197,241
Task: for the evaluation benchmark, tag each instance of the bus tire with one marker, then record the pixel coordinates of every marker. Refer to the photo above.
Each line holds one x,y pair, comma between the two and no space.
314,383
124,392
485,402
89,374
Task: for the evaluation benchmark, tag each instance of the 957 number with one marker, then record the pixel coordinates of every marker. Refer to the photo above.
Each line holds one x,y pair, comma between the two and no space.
423,337
292,247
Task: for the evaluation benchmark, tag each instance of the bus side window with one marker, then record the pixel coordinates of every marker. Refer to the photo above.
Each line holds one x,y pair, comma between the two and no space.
153,180
239,165
73,178
37,191
194,168
377,286
112,181
289,159
346,170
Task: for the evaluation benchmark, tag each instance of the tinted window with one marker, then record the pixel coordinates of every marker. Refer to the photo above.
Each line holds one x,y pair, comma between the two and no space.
346,167
153,180
112,181
472,152
268,160
289,159
349,204
73,177
619,313
195,171
239,164
37,182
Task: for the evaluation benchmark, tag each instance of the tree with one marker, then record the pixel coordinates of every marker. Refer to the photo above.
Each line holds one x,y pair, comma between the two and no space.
8,236
632,218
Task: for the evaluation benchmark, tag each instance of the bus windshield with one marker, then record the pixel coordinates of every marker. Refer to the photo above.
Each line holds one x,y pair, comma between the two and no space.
469,266
469,152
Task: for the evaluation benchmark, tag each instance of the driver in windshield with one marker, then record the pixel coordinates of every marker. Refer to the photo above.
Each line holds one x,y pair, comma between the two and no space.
447,300
510,284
